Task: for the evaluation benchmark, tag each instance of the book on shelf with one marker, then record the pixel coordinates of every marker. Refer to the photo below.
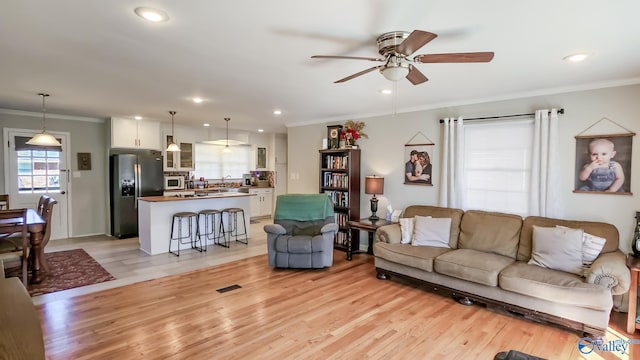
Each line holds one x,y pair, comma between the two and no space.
337,180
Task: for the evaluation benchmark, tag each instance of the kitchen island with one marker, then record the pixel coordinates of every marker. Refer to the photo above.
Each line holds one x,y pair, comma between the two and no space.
155,214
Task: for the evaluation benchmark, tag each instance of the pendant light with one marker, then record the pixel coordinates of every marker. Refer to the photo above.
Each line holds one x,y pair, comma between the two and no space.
172,146
227,149
43,138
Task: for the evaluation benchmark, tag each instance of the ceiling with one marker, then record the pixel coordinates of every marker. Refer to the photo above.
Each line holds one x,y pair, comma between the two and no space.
249,57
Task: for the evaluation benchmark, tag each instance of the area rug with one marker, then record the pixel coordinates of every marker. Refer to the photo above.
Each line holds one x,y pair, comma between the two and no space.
68,269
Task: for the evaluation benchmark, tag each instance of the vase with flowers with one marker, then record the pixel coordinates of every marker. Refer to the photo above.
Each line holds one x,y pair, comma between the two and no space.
353,131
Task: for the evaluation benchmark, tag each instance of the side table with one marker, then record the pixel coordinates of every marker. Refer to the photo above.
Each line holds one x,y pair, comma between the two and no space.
369,226
634,265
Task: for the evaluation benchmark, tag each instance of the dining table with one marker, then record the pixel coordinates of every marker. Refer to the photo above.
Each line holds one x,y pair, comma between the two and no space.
35,227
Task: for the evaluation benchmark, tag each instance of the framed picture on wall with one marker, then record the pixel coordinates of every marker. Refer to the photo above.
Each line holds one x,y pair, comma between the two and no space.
418,169
603,164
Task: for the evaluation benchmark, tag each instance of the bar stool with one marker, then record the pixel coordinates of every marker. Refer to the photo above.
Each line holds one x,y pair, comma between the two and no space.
232,226
211,233
192,234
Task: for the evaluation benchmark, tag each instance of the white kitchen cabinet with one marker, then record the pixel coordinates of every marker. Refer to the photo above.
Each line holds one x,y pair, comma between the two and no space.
262,202
185,138
184,160
137,134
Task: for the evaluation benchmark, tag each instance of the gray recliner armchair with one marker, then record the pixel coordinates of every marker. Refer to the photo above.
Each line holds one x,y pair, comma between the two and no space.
302,232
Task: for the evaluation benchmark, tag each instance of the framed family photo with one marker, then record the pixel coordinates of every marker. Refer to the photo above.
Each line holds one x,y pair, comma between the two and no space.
418,169
603,164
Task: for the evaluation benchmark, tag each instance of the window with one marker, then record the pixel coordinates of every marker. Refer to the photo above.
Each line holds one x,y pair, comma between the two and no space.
497,166
214,164
38,167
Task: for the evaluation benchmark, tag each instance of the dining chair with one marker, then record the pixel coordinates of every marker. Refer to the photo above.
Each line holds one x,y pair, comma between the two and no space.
46,213
4,202
14,239
41,202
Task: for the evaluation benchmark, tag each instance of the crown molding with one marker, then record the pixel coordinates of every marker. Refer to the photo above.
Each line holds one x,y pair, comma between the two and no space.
50,115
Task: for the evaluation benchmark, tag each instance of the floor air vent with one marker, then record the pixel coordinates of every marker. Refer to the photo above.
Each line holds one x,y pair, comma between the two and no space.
228,288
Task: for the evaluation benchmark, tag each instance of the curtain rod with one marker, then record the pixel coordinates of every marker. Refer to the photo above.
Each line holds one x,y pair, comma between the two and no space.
560,111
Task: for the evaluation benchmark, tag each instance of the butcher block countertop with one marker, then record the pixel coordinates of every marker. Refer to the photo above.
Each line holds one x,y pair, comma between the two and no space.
194,197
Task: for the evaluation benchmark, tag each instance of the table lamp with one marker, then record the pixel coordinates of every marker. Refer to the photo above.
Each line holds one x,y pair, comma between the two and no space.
374,185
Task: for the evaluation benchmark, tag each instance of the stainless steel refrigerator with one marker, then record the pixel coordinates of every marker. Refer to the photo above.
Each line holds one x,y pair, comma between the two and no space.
132,176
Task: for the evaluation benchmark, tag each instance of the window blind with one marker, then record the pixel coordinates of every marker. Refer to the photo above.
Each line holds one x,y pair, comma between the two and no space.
213,163
497,165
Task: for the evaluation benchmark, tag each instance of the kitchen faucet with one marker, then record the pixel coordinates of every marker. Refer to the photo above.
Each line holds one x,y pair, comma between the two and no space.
225,177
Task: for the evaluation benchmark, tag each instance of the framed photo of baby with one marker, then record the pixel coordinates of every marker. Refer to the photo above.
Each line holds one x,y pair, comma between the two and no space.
603,164
418,168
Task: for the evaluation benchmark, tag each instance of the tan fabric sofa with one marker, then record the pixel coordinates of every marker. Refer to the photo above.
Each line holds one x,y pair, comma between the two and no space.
487,263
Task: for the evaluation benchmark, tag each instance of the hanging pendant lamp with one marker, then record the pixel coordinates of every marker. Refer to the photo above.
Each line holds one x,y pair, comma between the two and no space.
43,138
227,149
172,146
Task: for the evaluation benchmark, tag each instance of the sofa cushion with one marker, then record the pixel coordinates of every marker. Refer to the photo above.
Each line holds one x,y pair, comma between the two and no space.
472,265
490,232
604,230
430,231
420,257
439,212
555,286
557,248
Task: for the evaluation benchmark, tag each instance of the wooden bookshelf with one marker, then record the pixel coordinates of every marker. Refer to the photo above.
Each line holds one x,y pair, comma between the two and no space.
340,180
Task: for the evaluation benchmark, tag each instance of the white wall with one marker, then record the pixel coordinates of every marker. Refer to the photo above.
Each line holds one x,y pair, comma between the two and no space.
383,153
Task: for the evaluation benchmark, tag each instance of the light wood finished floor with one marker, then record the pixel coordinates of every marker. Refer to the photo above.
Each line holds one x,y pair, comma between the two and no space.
343,312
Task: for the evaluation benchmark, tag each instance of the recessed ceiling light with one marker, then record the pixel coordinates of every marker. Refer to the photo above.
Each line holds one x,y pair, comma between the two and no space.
386,91
576,57
205,125
138,117
150,14
197,100
260,130
277,112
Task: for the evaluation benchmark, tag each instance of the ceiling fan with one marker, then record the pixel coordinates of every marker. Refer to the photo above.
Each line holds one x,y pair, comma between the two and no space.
397,46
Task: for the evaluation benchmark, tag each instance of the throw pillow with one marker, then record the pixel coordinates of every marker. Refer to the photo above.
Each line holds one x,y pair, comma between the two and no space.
591,247
557,248
406,228
431,232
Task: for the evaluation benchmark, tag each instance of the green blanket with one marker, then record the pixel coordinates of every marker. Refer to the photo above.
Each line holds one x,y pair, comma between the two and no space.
303,207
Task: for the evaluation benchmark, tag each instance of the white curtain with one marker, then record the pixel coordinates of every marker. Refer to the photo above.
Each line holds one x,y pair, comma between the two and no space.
544,195
451,188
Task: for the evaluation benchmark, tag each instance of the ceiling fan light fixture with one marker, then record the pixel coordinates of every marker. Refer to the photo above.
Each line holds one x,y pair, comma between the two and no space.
44,138
395,73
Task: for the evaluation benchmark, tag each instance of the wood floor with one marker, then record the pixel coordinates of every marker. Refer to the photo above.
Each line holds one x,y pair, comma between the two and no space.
343,312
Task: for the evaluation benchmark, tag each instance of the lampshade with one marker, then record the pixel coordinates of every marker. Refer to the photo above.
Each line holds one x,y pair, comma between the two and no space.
43,138
374,185
172,146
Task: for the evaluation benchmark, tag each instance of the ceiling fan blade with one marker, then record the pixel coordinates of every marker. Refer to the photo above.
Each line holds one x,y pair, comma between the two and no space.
415,41
345,57
416,76
454,57
358,74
